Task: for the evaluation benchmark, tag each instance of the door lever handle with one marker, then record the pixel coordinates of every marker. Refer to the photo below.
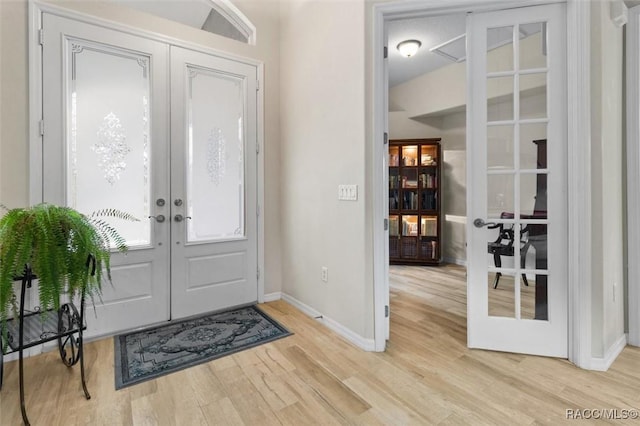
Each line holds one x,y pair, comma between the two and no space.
159,218
180,218
480,223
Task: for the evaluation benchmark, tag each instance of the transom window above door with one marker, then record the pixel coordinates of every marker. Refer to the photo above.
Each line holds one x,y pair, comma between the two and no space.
219,17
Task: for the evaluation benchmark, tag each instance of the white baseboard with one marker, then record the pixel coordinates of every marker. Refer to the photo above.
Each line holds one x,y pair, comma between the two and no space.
460,262
356,339
603,364
272,297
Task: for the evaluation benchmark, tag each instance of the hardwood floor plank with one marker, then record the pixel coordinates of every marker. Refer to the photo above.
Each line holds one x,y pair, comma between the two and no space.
331,388
222,412
314,377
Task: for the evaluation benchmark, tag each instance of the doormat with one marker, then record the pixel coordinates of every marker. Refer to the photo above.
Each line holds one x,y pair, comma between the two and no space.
147,354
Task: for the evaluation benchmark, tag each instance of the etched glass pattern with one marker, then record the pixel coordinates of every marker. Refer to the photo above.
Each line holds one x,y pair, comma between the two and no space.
112,148
108,135
215,159
216,156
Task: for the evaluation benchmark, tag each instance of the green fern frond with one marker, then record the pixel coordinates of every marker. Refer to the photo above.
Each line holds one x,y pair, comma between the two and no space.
55,242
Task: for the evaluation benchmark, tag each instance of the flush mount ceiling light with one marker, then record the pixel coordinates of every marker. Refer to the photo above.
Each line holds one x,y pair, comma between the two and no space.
409,48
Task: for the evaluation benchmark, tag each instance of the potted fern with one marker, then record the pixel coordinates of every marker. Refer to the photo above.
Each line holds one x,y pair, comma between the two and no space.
69,252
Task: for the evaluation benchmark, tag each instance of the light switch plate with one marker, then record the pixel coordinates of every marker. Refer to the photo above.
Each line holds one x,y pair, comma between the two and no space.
348,192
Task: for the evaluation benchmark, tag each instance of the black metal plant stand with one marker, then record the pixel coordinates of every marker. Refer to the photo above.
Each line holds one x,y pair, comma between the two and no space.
33,328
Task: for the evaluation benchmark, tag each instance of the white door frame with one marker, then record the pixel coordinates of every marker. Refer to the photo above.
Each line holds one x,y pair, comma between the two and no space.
578,166
36,8
633,174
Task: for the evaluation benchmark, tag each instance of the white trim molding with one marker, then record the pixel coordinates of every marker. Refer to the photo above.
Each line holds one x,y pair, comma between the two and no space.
35,105
619,13
349,335
633,174
236,18
272,297
380,199
579,181
603,364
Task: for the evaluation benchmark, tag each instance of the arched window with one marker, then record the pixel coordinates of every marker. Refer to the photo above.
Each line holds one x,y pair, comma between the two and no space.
226,20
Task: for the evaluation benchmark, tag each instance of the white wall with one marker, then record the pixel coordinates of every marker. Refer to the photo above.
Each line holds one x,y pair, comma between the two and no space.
607,188
14,166
323,144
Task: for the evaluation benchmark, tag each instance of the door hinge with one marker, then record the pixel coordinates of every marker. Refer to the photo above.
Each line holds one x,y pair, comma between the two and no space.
385,52
257,148
386,138
257,85
41,36
258,274
386,224
386,311
41,127
258,210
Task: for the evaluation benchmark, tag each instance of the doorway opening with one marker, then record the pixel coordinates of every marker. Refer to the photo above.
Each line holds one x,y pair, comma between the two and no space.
427,196
515,74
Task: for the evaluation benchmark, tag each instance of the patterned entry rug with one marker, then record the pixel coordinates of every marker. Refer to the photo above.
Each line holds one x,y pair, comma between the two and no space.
146,354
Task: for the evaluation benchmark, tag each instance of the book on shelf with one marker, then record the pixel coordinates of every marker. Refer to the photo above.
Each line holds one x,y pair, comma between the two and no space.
428,180
429,200
429,250
409,229
393,226
429,227
393,201
410,201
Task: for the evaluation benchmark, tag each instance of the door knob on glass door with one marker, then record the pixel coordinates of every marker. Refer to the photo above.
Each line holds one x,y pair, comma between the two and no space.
479,223
180,218
159,218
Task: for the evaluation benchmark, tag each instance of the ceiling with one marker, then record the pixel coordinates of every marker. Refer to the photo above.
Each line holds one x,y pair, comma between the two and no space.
431,31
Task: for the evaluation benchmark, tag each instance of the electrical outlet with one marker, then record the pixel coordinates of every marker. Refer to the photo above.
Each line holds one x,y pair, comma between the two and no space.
324,274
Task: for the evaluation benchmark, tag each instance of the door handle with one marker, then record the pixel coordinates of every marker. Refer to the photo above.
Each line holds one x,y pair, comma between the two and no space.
159,218
480,223
180,218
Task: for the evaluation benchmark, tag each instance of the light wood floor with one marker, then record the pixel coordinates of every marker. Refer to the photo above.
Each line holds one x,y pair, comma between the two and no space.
427,376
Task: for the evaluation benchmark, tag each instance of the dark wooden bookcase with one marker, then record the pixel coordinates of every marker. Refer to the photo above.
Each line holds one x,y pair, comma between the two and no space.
415,167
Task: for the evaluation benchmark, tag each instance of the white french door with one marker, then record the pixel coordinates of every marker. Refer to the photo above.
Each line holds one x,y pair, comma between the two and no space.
516,153
169,136
213,154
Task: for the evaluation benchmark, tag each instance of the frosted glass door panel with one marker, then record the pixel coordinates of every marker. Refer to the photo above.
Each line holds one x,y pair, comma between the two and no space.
215,157
109,139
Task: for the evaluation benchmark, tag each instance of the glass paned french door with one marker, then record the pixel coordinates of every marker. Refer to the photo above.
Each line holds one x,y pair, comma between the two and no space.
517,160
